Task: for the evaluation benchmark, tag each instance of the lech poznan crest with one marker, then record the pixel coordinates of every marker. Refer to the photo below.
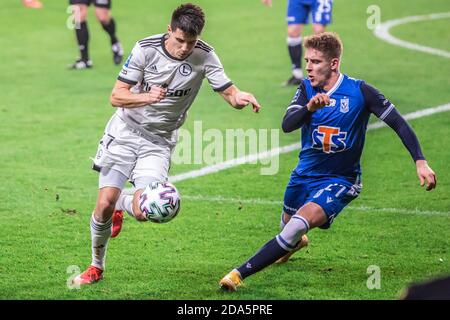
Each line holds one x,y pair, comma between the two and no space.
344,105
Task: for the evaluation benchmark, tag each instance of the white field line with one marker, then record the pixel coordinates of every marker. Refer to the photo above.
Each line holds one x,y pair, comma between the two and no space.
295,146
382,32
280,203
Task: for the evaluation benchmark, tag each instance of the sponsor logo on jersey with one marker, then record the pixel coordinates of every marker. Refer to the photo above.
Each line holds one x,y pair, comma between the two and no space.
329,139
332,103
344,105
185,69
177,93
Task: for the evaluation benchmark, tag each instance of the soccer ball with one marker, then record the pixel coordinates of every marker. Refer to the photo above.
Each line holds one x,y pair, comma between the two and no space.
160,202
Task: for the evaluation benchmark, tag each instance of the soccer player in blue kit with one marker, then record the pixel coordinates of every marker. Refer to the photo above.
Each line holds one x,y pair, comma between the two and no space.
332,110
298,12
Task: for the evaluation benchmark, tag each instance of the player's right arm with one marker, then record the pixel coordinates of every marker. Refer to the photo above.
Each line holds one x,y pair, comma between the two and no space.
267,2
133,72
122,97
300,109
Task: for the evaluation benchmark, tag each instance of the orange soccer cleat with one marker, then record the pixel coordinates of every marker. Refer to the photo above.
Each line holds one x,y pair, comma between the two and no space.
231,281
91,275
117,221
303,243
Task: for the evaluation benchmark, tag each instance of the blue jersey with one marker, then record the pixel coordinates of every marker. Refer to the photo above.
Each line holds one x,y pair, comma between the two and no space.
328,172
333,137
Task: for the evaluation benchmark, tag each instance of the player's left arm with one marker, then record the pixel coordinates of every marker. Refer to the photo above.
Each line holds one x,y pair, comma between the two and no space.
239,99
386,111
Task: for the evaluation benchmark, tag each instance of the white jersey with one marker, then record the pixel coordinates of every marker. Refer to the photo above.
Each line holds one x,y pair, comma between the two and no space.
150,64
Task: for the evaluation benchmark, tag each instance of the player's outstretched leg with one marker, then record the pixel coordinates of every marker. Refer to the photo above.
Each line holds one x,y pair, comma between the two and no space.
276,248
303,243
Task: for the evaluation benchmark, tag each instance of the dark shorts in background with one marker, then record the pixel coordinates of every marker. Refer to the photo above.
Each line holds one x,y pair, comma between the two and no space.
97,3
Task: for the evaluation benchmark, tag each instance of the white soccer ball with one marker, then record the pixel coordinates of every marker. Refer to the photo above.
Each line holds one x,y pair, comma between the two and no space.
160,202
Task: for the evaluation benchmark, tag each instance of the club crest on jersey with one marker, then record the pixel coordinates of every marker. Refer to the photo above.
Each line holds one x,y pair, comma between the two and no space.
185,69
344,105
329,139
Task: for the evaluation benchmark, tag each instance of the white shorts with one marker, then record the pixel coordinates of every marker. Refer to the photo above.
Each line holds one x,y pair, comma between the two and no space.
126,150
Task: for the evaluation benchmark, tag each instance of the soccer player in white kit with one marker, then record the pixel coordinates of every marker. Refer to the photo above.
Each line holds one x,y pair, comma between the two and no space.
154,90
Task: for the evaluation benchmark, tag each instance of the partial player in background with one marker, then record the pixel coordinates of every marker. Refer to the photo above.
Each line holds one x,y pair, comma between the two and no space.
156,87
332,110
33,4
102,13
298,12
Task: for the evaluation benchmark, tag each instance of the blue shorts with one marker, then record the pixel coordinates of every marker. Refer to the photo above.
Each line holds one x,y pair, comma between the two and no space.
331,193
298,11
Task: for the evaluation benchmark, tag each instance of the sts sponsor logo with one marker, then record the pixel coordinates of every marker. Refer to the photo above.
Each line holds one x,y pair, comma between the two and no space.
329,139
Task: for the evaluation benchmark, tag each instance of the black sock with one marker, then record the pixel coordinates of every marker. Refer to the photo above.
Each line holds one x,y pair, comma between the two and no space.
267,255
111,29
295,52
83,39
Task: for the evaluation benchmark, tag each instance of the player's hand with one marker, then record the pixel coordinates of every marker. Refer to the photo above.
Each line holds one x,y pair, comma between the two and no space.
425,173
267,2
156,94
317,102
244,98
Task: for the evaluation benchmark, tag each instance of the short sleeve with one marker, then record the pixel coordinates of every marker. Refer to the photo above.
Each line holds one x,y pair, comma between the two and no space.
215,74
376,102
300,98
133,70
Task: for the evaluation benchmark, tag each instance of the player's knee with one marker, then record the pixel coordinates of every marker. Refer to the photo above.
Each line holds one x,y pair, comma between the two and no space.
294,229
105,206
318,28
294,31
79,13
102,15
284,220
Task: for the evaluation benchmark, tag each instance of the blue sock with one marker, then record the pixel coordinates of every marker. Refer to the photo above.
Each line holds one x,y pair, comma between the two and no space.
267,255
